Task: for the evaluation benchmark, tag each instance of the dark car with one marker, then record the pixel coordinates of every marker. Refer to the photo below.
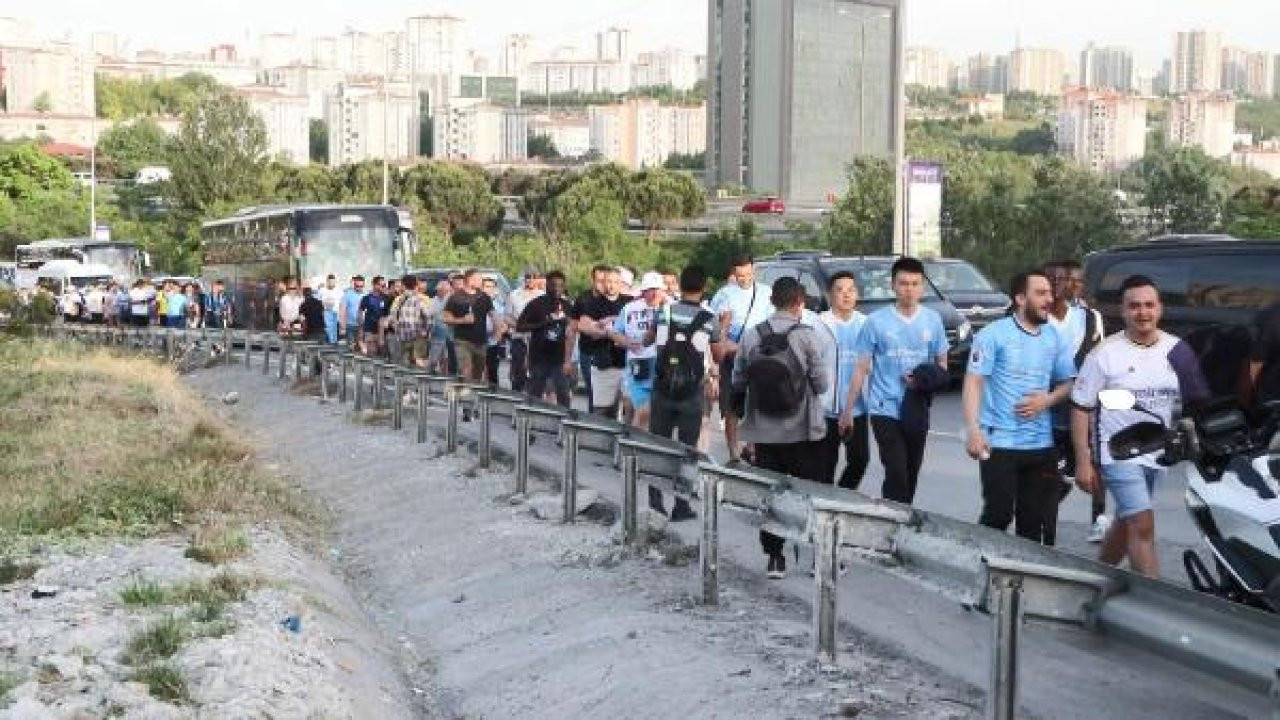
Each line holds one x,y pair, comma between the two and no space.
875,291
1205,281
971,292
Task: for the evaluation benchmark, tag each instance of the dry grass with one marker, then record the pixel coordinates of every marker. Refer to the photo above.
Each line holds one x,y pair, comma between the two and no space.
217,543
93,443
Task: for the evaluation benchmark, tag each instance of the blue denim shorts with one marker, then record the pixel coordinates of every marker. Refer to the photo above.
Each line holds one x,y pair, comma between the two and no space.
1131,486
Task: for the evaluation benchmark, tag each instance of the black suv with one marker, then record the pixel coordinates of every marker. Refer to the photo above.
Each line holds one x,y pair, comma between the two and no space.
971,292
875,291
1204,280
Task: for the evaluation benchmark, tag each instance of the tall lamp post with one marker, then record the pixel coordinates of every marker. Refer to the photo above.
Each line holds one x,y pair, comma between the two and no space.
93,177
899,129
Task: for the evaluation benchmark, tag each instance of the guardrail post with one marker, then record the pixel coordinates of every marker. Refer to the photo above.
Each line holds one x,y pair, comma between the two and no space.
248,349
378,378
710,550
826,550
423,385
343,361
522,454
226,345
486,433
451,429
359,383
287,348
266,354
325,360
397,399
570,484
1002,695
630,474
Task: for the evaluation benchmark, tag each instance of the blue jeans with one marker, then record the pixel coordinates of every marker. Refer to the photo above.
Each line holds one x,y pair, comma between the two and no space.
331,326
1131,486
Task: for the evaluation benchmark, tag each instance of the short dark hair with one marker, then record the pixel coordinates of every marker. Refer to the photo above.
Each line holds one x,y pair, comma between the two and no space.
1018,285
741,260
378,278
556,275
693,279
1137,281
786,292
842,275
598,269
410,282
906,264
357,277
470,272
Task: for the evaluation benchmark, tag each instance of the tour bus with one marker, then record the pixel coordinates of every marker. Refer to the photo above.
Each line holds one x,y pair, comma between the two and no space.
126,260
57,276
258,246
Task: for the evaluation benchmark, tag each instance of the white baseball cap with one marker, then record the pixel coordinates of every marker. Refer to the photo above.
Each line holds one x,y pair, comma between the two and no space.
652,281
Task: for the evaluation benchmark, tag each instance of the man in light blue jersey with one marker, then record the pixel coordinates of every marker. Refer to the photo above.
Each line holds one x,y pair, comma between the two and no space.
894,344
740,305
1008,392
839,329
349,311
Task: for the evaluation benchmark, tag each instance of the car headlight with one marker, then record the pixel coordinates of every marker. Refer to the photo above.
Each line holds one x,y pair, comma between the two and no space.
963,332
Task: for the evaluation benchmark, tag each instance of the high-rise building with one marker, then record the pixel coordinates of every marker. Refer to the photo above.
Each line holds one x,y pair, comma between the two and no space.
569,133
315,83
642,133
1260,75
286,119
614,45
983,74
324,51
1037,70
1203,120
1103,130
1107,68
515,55
798,90
928,67
1197,62
395,46
277,49
1276,76
224,53
367,123
106,44
1235,70
361,53
672,66
56,78
584,76
435,57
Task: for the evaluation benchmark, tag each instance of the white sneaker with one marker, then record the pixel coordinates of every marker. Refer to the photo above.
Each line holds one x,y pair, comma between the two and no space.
1099,529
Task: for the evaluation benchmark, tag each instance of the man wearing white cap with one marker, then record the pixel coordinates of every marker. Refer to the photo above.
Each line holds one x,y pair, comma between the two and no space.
636,330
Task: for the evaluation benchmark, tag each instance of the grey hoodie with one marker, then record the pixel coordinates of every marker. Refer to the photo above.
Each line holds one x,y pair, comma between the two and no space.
808,423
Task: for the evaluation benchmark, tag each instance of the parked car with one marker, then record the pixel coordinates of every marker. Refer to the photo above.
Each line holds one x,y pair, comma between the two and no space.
875,291
971,292
1204,280
765,205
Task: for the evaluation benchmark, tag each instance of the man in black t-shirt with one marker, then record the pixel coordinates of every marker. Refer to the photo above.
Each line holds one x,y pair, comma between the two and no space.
373,307
607,360
546,320
467,312
584,342
311,312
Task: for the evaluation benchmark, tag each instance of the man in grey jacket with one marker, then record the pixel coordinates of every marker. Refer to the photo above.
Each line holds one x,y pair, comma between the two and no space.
785,424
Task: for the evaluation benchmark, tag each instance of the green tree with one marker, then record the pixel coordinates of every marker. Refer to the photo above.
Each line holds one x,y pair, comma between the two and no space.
127,147
683,161
318,137
862,221
590,215
658,196
26,172
1035,141
219,154
43,103
121,98
540,146
1187,188
1254,212
454,197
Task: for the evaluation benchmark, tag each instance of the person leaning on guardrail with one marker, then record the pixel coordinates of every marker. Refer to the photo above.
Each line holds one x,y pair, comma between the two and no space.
779,367
1164,374
1007,400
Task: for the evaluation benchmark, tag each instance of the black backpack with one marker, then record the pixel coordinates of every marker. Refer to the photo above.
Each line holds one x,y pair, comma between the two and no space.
680,364
776,383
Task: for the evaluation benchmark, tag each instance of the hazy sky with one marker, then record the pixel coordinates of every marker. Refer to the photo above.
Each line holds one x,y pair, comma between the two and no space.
960,26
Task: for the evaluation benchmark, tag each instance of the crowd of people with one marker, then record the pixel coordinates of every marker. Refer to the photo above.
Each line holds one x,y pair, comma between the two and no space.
792,387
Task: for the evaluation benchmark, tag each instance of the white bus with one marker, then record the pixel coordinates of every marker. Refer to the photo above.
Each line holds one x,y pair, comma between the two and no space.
127,261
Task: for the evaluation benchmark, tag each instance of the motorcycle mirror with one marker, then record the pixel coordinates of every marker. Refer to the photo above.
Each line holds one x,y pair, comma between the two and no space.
1136,440
1118,399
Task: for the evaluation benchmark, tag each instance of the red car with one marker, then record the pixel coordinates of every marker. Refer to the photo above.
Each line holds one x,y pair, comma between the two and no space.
765,205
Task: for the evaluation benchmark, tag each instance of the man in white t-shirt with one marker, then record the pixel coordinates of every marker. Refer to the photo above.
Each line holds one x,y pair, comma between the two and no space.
1164,374
331,297
95,302
636,330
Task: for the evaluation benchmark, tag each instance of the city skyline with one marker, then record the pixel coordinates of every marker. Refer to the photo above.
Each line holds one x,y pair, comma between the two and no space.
959,28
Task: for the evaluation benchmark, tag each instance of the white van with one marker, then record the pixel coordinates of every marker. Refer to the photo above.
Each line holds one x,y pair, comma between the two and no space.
56,275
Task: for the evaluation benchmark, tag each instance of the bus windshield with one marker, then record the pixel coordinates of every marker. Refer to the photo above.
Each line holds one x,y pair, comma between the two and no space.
31,257
124,260
346,243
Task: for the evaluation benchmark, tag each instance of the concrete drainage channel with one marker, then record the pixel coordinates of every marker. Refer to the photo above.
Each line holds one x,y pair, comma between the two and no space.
1011,580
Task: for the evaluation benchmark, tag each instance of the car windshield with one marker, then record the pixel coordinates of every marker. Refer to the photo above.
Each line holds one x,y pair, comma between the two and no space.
958,277
874,281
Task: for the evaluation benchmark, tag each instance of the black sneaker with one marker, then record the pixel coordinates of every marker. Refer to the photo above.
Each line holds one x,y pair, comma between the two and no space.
682,511
777,566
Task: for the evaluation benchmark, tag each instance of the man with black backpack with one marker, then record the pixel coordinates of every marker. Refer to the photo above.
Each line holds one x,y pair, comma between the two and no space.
780,367
689,343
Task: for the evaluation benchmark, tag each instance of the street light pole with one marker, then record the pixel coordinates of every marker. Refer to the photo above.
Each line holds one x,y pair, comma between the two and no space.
386,170
93,177
899,129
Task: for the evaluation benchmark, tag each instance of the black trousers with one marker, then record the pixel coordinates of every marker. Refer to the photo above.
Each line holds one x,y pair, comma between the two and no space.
1020,486
1067,468
519,372
798,459
902,453
493,355
857,453
682,417
542,374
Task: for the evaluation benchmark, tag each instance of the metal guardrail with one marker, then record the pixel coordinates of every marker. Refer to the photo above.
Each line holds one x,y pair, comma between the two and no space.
1010,578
